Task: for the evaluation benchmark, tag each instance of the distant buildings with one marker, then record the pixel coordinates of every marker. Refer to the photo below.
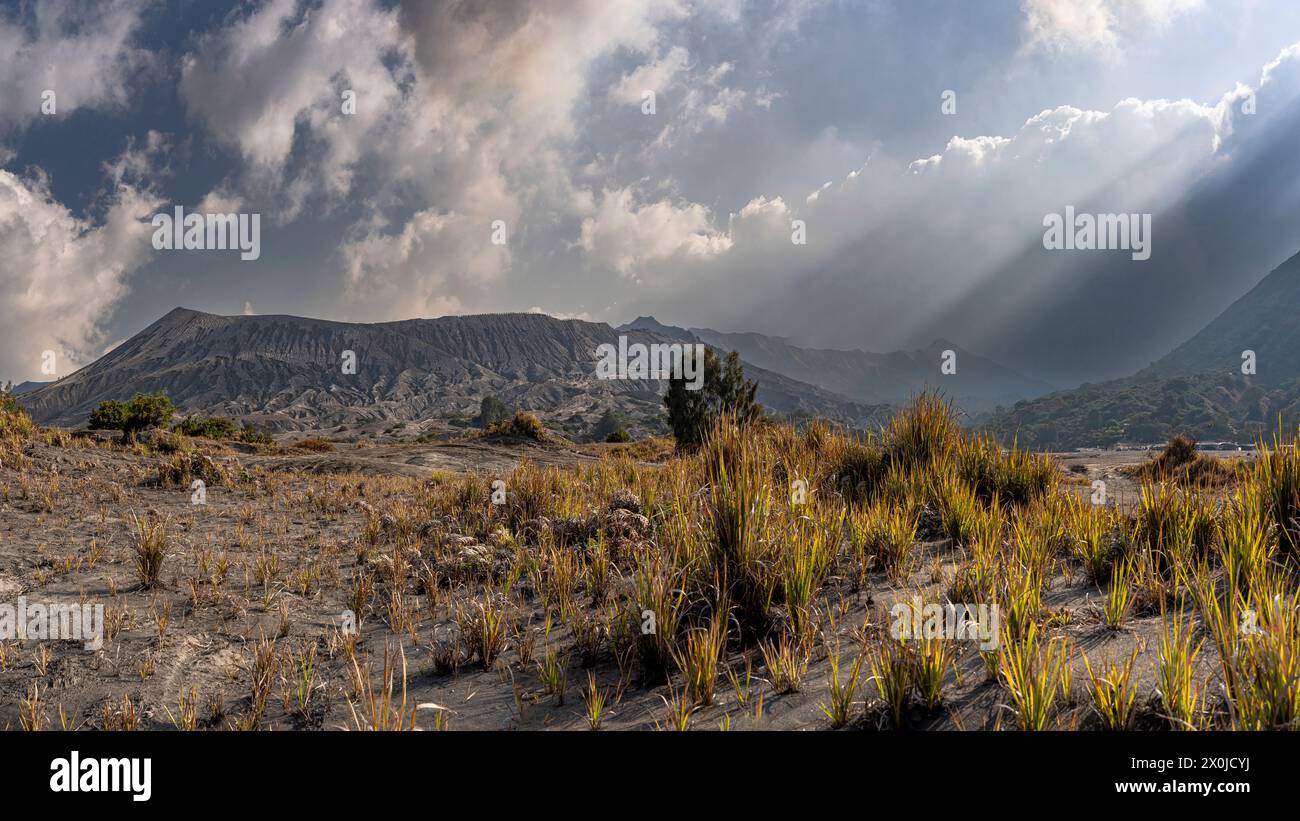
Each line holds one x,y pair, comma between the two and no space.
1218,446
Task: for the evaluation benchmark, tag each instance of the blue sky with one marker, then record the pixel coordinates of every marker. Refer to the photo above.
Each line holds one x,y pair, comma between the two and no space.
920,224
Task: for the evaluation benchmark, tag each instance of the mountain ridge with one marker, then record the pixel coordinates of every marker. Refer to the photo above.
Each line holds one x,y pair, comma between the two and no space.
1262,320
979,385
1198,388
286,371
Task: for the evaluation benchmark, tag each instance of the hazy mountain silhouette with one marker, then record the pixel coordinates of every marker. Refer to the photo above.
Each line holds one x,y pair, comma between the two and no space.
1265,320
979,385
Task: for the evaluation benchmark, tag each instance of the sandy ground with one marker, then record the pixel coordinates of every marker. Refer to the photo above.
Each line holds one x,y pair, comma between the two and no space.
1114,467
422,460
66,522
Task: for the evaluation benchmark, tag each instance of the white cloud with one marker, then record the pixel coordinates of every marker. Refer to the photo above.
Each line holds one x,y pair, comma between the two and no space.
221,200
700,109
463,111
274,80
143,163
84,52
423,269
625,235
1095,25
62,274
656,76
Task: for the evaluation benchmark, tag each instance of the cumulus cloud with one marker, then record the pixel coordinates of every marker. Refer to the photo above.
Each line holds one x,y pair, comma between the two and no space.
279,78
63,274
625,235
81,50
496,88
463,111
420,268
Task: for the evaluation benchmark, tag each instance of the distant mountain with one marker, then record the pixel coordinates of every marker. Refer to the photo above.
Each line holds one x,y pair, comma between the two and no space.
1197,389
979,385
24,387
1266,320
1207,407
287,372
649,323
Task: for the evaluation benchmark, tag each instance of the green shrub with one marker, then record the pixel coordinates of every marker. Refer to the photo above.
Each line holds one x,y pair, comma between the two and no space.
922,430
254,435
110,415
1182,463
211,427
144,411
618,436
859,468
148,410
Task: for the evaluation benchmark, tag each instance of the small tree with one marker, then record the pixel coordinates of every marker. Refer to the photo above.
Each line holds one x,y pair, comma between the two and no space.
110,415
734,394
491,411
691,413
688,410
148,410
145,410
